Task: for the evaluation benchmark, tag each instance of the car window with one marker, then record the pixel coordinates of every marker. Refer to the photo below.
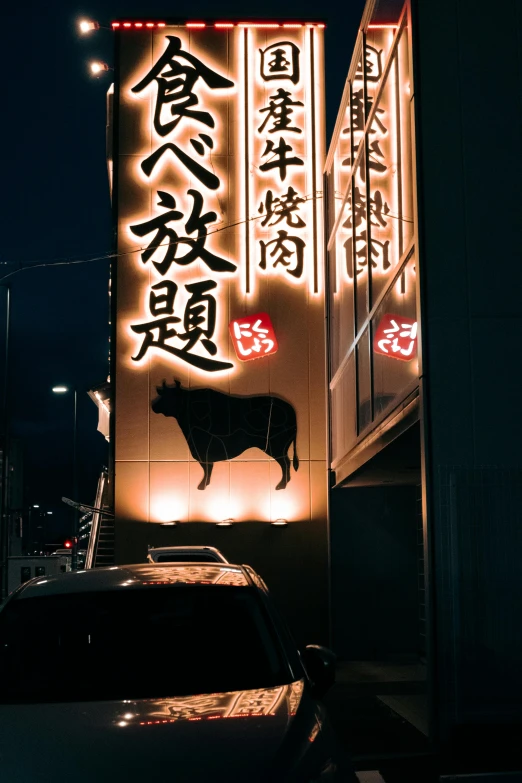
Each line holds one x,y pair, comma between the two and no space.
138,643
184,558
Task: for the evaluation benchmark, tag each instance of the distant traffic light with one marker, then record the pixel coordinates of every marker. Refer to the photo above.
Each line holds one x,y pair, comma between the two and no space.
68,544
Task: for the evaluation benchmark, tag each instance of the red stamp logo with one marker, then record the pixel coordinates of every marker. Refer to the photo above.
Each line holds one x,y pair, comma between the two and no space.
396,337
253,336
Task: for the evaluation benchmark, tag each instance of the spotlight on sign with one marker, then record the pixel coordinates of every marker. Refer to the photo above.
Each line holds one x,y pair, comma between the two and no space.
279,522
225,523
98,67
87,26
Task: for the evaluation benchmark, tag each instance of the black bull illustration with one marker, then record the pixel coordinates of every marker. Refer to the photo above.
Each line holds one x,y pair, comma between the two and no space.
220,426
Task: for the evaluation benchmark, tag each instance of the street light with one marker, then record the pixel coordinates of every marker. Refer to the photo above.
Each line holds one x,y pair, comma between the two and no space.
98,67
64,390
87,26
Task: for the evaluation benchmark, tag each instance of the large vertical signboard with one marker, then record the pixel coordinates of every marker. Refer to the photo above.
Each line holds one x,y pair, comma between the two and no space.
219,361
371,245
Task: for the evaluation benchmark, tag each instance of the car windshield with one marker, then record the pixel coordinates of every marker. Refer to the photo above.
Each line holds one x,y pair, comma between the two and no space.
138,642
177,557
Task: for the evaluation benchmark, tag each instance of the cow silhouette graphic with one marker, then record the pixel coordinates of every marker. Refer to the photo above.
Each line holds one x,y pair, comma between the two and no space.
220,426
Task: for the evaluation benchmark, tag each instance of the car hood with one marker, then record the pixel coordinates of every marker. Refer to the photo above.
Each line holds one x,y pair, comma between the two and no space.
254,735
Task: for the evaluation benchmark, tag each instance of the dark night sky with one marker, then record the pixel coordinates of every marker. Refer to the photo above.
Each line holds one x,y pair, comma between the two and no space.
55,205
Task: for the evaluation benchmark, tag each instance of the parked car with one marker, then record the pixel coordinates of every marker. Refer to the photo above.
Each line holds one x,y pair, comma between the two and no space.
185,554
159,672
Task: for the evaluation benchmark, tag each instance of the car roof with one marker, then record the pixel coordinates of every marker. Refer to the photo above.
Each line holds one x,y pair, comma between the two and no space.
184,549
138,575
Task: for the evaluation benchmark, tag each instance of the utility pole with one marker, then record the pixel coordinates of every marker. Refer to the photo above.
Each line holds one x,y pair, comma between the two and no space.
4,517
64,390
74,563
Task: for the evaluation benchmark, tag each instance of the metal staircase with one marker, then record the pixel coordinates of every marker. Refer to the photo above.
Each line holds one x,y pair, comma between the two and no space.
100,548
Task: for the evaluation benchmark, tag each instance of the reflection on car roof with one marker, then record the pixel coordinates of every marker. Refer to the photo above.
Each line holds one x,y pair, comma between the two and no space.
115,577
172,573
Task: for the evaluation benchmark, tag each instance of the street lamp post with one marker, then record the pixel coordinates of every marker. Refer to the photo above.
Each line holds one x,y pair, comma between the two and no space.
4,521
65,390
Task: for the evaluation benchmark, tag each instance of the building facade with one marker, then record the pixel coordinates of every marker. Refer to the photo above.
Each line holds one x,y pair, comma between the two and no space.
423,328
221,227
219,368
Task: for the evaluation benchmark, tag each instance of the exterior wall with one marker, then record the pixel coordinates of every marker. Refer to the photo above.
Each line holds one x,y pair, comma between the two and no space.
465,88
374,562
181,395
292,561
467,74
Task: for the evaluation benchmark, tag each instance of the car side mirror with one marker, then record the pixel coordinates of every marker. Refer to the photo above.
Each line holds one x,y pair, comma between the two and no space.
320,665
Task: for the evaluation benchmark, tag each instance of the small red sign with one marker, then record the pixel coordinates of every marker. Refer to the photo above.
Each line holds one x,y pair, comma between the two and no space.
396,337
253,336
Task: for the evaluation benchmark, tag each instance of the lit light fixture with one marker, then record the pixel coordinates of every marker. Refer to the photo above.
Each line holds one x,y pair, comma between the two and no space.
98,67
168,524
49,512
36,505
279,522
60,389
225,523
86,26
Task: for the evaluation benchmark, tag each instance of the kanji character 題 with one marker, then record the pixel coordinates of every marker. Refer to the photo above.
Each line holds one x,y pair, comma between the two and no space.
199,323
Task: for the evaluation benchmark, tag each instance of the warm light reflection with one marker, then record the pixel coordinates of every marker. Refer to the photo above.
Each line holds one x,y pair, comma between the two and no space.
160,574
284,506
167,507
261,702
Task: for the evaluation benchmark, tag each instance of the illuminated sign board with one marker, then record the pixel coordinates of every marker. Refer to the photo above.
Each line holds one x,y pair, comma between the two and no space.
217,183
371,241
396,337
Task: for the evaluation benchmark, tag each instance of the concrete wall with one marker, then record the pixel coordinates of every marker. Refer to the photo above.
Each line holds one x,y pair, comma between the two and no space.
374,572
467,58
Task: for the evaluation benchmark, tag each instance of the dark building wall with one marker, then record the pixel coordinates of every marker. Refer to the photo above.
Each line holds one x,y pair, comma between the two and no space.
292,560
467,58
374,572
